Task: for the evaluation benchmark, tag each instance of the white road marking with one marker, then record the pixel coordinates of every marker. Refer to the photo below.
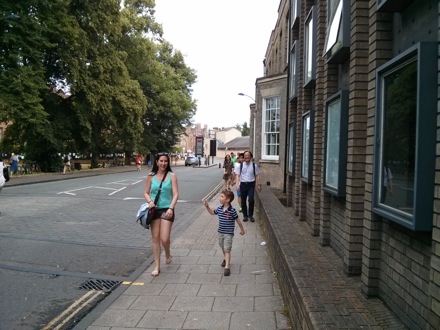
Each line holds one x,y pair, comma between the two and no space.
114,190
125,182
117,191
70,192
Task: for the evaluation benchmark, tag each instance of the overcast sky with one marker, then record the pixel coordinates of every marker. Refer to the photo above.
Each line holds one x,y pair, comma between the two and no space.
225,42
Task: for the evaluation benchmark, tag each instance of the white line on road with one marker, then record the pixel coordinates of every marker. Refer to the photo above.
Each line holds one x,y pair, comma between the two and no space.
69,192
117,191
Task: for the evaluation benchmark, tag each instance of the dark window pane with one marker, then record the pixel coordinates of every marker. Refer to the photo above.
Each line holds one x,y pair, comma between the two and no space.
399,138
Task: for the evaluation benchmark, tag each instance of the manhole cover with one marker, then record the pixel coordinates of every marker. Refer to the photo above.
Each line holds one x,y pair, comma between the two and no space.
99,285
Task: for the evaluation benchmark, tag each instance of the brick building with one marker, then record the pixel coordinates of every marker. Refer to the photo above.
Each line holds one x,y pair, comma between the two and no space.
346,123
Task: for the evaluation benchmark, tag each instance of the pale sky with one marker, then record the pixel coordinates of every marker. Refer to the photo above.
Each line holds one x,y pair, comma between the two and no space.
225,42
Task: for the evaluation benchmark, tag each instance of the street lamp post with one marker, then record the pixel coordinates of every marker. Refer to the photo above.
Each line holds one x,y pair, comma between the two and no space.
252,121
243,94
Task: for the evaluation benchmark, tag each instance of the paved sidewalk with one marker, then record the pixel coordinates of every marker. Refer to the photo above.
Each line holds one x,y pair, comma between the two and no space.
192,293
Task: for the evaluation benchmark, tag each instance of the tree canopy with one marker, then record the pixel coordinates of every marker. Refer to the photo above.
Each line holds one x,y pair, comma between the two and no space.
91,77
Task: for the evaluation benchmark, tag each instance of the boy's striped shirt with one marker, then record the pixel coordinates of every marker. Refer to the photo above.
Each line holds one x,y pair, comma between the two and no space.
226,219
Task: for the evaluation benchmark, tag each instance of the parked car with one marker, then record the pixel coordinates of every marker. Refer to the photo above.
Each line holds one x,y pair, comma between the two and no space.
189,161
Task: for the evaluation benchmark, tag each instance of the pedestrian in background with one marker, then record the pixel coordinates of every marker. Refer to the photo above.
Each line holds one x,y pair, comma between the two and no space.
14,164
138,161
233,158
235,177
66,161
2,178
228,168
163,218
227,217
248,176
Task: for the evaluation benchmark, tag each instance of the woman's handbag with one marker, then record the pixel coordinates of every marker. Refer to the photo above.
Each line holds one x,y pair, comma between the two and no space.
145,213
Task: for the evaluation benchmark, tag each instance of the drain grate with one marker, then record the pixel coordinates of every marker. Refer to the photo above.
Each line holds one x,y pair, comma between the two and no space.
99,285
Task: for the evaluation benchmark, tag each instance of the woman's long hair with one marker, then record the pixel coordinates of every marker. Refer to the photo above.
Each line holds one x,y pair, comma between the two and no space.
156,167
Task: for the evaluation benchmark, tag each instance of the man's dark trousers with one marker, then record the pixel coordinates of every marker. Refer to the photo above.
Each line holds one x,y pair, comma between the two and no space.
247,190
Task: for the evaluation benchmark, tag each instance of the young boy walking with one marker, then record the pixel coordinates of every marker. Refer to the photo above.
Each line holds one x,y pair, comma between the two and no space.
227,216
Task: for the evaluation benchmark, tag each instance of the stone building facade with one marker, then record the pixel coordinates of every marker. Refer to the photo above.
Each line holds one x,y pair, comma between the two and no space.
346,123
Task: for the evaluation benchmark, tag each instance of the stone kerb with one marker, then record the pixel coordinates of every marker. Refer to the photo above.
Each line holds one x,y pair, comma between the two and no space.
278,229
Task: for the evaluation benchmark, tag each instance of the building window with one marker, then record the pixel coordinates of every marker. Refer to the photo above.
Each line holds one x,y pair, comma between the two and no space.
294,14
337,42
405,138
291,149
392,5
310,49
271,128
307,147
336,144
293,82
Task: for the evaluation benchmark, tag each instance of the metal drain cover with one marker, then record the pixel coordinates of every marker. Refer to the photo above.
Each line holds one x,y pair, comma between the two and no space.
99,285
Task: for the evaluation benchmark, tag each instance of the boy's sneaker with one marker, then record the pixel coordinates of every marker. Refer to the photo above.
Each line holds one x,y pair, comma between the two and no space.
224,263
252,219
245,219
227,272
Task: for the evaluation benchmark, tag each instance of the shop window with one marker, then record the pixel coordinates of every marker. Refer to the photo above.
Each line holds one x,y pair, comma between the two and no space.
337,42
307,147
271,128
336,127
310,49
293,79
291,149
404,157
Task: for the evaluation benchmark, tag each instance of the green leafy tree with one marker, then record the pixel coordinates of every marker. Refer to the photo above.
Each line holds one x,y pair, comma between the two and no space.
108,102
89,76
244,129
22,79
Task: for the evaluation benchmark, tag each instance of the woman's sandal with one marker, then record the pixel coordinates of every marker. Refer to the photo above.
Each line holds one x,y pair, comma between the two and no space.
169,259
155,273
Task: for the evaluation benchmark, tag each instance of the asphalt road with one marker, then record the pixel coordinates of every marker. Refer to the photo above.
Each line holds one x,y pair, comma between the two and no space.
57,236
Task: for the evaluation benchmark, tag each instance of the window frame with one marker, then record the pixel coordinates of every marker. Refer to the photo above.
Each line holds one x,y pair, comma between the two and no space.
339,51
291,148
339,190
293,78
263,129
307,179
310,25
425,143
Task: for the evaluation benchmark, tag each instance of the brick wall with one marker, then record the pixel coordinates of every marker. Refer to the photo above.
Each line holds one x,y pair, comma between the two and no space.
397,263
400,266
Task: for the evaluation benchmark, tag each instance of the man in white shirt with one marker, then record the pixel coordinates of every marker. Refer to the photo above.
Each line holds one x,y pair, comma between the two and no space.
247,176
